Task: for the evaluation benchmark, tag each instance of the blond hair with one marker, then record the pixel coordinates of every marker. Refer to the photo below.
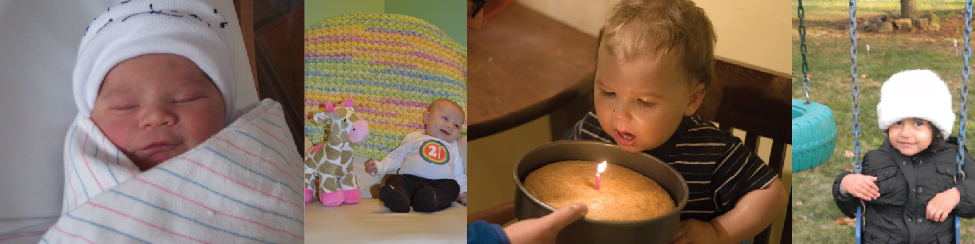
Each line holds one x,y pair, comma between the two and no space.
639,28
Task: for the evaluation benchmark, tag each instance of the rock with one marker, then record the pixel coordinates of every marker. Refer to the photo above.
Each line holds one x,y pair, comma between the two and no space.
933,18
868,26
865,26
934,26
922,23
880,18
885,27
903,24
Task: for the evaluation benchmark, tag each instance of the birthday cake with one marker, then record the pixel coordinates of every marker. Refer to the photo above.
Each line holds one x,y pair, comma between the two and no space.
623,194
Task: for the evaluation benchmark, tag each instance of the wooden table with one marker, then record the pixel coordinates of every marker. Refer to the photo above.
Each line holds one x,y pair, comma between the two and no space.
522,65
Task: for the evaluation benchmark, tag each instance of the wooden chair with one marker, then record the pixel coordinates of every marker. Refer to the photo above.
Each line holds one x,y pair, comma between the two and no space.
753,100
274,39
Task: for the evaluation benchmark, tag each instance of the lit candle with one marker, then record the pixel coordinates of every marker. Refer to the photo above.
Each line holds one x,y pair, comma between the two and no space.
599,169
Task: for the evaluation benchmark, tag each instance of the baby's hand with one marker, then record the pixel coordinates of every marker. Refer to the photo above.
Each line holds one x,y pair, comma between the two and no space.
371,167
860,186
941,205
463,198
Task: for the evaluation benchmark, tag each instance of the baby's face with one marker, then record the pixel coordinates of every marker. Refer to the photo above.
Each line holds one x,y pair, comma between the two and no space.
443,120
910,136
157,106
640,102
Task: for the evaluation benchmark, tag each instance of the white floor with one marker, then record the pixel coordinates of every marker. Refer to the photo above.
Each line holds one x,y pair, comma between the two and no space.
370,222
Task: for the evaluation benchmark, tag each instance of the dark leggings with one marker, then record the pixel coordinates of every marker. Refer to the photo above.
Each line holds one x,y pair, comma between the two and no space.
446,189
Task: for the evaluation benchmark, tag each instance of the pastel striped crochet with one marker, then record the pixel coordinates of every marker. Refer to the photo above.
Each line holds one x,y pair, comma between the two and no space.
391,65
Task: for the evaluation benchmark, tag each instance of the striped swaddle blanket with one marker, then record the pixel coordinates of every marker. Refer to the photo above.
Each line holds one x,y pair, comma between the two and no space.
242,185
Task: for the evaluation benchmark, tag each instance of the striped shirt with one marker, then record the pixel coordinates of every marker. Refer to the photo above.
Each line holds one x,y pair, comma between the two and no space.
717,166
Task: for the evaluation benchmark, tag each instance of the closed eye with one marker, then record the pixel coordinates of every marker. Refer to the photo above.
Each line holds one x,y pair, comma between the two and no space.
124,107
645,103
187,99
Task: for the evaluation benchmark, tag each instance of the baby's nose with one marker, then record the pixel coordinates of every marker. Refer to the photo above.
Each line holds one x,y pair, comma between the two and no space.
157,117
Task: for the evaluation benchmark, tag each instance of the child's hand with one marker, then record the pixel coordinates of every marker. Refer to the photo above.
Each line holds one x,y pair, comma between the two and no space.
463,198
861,186
695,231
371,167
941,205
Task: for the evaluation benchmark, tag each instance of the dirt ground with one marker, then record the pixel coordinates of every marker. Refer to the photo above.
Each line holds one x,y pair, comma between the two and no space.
952,26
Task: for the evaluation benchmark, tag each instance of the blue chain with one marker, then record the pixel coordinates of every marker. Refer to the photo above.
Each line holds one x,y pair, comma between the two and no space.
802,48
855,91
963,107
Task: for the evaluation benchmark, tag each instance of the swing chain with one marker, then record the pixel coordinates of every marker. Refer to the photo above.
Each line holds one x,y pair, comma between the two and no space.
963,107
802,48
855,91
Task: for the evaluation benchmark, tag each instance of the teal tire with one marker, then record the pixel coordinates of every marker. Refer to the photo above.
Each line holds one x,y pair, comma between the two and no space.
813,134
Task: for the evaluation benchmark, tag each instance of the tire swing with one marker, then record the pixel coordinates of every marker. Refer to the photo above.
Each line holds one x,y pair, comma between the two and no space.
813,126
963,109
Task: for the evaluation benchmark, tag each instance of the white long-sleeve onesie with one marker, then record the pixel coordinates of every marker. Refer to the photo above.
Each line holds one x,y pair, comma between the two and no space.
426,156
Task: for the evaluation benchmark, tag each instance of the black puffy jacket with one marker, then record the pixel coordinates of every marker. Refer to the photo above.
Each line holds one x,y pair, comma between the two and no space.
906,185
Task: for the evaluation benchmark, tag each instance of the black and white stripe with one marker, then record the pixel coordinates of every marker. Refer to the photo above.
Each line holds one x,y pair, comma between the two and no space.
718,168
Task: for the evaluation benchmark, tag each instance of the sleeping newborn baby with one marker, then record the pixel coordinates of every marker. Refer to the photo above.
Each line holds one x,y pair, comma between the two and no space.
157,151
154,107
156,91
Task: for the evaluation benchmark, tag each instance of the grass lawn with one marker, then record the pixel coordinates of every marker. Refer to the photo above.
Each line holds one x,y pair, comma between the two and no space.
815,213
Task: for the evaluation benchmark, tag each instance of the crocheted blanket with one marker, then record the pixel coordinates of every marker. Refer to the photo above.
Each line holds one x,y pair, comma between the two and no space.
392,65
241,185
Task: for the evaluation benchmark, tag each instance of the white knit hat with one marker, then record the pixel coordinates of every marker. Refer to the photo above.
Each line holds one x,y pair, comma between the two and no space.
916,94
189,28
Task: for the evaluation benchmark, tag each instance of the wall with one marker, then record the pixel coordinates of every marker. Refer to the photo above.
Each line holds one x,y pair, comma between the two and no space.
738,25
317,10
448,15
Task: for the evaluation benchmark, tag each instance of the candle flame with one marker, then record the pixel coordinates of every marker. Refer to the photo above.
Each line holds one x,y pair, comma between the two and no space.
601,167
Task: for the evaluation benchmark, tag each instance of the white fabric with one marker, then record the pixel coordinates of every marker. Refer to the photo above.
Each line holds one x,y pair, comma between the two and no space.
916,94
370,222
189,28
241,185
38,45
408,159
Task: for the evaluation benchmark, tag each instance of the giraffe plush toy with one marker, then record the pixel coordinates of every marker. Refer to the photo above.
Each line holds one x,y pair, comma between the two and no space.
331,161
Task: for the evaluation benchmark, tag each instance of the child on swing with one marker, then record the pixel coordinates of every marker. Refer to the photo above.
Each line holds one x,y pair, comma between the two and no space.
909,185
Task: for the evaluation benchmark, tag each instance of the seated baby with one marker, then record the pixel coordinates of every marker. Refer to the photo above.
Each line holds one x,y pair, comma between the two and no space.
431,173
158,151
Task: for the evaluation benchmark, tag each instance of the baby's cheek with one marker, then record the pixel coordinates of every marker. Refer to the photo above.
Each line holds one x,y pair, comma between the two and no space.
203,128
116,131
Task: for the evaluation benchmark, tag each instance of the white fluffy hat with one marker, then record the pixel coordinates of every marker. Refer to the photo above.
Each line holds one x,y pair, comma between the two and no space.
916,94
189,28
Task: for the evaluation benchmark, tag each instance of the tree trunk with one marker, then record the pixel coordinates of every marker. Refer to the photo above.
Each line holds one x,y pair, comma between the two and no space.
909,9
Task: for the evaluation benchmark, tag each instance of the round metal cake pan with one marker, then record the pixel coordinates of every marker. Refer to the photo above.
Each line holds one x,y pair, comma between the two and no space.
660,229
